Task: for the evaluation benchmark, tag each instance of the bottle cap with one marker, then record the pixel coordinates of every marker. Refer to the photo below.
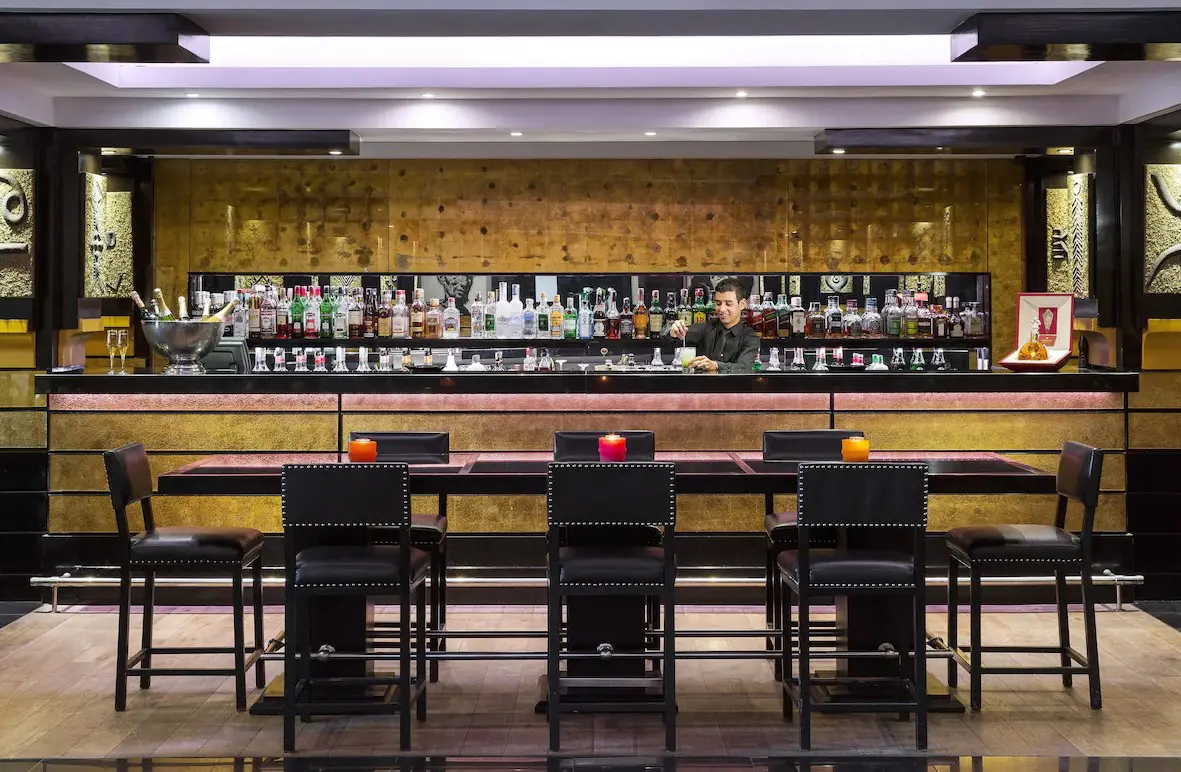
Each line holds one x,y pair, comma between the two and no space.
796,300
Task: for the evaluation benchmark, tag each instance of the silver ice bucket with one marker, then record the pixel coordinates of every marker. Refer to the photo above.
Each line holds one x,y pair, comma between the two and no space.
183,343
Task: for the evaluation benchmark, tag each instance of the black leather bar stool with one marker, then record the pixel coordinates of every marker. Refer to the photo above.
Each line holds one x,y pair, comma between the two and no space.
427,532
890,496
611,569
792,446
185,550
327,507
980,548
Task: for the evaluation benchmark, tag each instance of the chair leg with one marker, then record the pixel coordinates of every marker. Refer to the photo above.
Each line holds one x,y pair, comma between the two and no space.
670,670
553,667
303,644
775,610
787,642
404,683
436,594
653,602
260,673
920,668
1063,625
805,672
145,681
953,621
291,625
1092,634
974,602
420,668
239,641
121,646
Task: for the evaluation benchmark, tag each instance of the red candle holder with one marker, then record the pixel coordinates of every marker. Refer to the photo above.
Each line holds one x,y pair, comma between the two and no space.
612,448
362,451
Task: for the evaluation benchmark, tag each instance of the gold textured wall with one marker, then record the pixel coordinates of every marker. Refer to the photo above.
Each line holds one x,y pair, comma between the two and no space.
106,247
1068,236
16,233
571,216
1162,228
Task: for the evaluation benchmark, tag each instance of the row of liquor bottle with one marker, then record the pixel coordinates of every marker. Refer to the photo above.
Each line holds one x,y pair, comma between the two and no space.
312,312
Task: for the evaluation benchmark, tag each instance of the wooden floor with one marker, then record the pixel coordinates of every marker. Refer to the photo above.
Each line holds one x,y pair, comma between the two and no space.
57,678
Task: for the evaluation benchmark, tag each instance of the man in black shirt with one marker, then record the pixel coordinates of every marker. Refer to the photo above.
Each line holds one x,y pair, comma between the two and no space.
725,344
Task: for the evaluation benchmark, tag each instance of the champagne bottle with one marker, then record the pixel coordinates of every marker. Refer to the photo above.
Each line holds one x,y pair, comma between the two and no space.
145,313
165,314
182,308
221,315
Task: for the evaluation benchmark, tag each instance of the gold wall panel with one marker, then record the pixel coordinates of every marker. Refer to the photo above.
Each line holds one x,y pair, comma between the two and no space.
945,512
1162,228
1058,240
16,233
194,431
107,244
85,471
496,514
595,215
1114,477
1157,390
93,514
1154,430
498,431
986,431
16,390
22,429
1006,254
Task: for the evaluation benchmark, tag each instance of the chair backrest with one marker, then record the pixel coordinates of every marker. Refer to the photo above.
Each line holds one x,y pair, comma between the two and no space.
584,446
1080,468
882,495
806,445
346,495
590,494
129,478
410,447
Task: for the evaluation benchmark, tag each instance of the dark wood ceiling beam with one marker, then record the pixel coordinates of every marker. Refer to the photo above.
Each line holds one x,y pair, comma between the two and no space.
962,140
138,38
197,142
1069,36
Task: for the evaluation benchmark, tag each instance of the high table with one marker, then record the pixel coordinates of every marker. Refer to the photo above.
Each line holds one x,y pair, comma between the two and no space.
866,622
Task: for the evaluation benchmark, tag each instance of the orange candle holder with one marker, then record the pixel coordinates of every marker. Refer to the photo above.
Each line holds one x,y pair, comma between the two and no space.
855,449
362,451
612,448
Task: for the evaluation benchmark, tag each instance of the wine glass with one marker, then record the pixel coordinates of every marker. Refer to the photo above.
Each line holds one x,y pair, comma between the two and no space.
112,344
559,363
122,340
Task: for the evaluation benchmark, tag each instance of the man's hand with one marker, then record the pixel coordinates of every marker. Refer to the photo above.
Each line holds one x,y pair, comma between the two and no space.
704,363
678,330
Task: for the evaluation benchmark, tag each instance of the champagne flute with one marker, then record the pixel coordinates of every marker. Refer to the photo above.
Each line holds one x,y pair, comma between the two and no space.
122,340
112,344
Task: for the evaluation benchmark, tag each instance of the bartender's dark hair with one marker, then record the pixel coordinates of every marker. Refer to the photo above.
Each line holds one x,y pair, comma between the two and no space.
730,284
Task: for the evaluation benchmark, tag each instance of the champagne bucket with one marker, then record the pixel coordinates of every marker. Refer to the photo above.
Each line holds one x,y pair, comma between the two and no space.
183,343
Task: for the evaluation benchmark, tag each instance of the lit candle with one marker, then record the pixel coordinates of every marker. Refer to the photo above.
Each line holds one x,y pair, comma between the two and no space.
612,447
855,449
362,451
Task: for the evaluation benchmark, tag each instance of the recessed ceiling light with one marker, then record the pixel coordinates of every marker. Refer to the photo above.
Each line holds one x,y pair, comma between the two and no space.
515,134
741,94
838,151
979,92
192,95
649,134
1065,150
333,152
428,95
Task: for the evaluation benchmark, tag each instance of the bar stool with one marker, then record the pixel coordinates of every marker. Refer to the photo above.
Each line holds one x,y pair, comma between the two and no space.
173,549
983,547
323,506
862,496
427,532
611,569
788,446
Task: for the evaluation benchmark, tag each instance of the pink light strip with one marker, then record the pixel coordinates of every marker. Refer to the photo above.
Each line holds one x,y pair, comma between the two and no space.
198,403
625,403
1089,400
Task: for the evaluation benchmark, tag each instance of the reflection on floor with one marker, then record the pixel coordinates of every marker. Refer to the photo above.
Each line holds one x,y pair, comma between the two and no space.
57,677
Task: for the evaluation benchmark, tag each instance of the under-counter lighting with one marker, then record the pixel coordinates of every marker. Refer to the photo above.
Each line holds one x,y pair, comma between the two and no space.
649,134
428,95
515,134
192,95
333,152
741,94
838,151
978,92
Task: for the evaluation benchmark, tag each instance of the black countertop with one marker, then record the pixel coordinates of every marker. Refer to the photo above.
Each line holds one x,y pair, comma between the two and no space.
590,383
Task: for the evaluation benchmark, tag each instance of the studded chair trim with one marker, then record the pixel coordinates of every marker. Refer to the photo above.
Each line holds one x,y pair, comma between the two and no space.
896,499
566,508
346,495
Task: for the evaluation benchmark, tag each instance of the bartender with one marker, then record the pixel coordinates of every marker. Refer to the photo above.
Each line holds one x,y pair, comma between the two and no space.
725,344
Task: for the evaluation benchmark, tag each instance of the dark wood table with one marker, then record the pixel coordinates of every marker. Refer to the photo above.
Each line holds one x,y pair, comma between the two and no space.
867,623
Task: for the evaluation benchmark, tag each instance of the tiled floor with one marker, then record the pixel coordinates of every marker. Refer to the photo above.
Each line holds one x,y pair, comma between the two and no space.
57,672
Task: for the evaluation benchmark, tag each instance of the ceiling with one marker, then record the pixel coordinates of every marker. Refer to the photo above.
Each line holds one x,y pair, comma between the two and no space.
596,77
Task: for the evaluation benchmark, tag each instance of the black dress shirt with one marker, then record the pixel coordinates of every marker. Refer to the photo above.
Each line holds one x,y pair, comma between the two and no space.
734,349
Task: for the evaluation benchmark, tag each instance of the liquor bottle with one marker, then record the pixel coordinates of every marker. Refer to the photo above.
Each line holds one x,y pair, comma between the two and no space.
221,314
1033,350
557,319
599,317
926,324
711,308
816,321
640,318
282,317
917,362
326,313
145,313
754,314
871,320
504,324
834,320
783,317
162,312
955,322
973,321
892,316
656,315
545,364
851,322
241,323
543,317
385,316
451,320
938,322
253,309
340,314
627,321
684,310
516,314
529,365
797,320
399,317
490,315
297,307
586,317
417,315
910,317
770,317
369,315
311,314
699,312
356,316
266,315
612,323
434,321
569,320
476,311
529,320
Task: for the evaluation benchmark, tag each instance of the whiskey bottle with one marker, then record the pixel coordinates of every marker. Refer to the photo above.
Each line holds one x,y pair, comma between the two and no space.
385,317
754,314
816,321
656,315
892,316
418,315
797,319
640,317
871,320
851,322
783,317
627,321
834,320
599,317
938,322
699,310
400,317
369,315
926,325
433,323
770,318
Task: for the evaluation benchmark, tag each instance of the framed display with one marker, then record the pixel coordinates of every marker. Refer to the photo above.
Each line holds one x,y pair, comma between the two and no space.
1045,322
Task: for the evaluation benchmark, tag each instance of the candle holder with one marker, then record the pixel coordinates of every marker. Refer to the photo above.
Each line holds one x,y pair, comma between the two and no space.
612,448
362,451
854,449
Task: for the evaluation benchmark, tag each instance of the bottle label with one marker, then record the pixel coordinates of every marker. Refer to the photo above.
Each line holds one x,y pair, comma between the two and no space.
626,328
266,325
799,321
893,326
383,326
600,329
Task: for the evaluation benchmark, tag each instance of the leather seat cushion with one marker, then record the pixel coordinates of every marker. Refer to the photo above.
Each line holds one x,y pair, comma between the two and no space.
182,544
643,565
426,532
361,564
853,569
782,531
1010,542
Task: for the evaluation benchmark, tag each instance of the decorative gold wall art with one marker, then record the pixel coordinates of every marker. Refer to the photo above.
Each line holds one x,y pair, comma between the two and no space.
16,233
107,245
1068,236
1162,229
